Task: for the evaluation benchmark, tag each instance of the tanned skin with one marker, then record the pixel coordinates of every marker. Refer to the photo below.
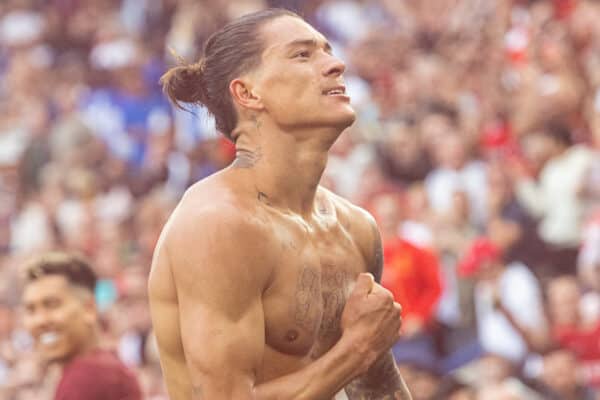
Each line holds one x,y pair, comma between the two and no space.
262,284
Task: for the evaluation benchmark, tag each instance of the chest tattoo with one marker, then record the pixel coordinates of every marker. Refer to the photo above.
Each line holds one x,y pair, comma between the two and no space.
334,282
306,312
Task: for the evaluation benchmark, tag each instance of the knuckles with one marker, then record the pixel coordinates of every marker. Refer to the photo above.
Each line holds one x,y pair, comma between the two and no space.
398,307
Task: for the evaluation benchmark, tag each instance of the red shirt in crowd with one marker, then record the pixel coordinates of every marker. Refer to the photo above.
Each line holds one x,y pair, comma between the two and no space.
412,274
564,8
99,375
586,346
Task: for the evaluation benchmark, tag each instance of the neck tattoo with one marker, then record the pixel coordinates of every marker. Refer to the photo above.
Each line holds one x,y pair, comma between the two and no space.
247,158
257,122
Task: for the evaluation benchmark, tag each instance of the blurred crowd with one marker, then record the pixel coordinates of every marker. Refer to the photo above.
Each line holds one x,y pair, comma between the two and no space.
476,148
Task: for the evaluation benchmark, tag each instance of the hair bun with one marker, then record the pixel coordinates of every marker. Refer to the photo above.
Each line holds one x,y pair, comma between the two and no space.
185,84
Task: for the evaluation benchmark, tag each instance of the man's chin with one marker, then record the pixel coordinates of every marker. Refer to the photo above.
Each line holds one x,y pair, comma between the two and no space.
54,356
346,120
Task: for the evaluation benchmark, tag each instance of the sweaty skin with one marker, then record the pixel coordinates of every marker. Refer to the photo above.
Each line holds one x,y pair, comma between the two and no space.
291,276
255,288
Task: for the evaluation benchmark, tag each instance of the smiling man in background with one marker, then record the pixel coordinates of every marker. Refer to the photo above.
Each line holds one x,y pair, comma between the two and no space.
60,314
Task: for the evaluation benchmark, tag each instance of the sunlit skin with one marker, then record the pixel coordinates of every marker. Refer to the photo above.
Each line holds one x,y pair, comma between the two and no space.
288,90
60,317
285,116
251,288
297,67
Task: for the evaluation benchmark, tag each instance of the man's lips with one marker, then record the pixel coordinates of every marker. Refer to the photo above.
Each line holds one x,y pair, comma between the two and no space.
335,91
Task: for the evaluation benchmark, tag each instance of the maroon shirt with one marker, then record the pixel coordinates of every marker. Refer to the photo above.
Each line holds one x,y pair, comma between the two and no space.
99,375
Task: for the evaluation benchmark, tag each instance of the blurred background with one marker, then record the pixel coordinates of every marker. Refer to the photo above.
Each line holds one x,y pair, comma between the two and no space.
476,148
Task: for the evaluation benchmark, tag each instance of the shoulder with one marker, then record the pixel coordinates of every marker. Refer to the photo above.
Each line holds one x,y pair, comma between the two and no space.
516,270
360,222
213,209
518,274
96,376
361,227
216,224
518,284
99,360
581,151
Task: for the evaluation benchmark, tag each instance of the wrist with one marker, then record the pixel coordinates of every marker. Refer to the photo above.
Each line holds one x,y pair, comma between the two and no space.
359,355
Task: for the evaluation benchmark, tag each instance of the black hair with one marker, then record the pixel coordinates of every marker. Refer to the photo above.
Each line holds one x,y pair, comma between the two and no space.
559,132
229,52
73,267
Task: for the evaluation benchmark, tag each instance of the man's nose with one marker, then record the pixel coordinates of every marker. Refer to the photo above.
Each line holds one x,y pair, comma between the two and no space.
334,67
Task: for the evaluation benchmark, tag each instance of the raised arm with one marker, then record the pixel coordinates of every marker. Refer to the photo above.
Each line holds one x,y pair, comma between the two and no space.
382,381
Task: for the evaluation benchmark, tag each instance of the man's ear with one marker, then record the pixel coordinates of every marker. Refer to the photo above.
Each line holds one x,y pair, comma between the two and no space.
243,95
88,303
91,312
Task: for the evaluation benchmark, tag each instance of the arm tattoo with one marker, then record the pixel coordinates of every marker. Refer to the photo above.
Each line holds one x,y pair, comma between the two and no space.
381,382
377,267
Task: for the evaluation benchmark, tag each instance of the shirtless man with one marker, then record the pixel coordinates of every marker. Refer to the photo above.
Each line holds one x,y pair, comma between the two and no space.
262,281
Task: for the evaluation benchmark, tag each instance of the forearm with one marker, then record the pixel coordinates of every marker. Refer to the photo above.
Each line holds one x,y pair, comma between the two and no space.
322,379
381,382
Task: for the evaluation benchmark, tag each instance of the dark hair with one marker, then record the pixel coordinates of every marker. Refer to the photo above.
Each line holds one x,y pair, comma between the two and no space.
558,131
229,52
74,268
444,109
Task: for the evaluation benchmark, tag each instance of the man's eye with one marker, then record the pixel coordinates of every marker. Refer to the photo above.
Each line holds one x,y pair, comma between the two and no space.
53,303
303,54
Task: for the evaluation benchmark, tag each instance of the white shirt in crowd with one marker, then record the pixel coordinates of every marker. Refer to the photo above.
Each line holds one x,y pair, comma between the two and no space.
521,296
442,184
554,199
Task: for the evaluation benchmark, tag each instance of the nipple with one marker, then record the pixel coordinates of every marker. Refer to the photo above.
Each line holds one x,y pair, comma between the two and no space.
291,335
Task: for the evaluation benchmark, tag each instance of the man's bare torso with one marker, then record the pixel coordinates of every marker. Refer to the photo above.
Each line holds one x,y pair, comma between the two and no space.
316,262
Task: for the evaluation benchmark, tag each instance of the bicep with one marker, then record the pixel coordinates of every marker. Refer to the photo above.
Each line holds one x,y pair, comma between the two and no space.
374,250
219,287
222,353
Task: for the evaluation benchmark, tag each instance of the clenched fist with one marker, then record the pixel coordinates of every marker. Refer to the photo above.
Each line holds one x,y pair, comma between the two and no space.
371,319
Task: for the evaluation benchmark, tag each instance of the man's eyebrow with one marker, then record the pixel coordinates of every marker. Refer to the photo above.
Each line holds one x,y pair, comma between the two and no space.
308,42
